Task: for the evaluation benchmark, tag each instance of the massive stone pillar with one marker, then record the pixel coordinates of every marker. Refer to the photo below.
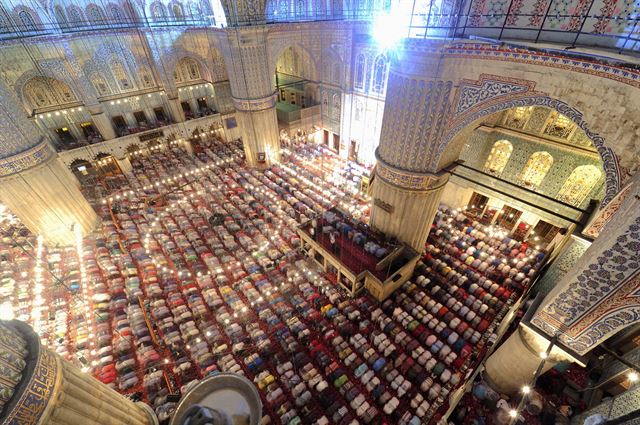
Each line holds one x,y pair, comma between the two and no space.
514,364
407,190
34,184
175,107
598,297
41,388
253,93
102,122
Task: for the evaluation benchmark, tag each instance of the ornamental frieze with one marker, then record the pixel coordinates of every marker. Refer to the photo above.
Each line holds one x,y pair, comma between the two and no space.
27,159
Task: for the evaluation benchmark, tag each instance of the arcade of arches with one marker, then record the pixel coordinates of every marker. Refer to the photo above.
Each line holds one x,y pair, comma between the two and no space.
444,229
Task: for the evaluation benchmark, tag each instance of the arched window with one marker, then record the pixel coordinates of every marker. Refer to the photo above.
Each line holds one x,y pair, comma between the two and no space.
44,92
60,18
121,74
536,168
195,11
145,77
186,70
559,126
518,117
132,16
95,15
177,11
301,8
336,107
579,184
499,156
158,11
75,15
4,22
100,84
379,74
116,14
361,64
27,23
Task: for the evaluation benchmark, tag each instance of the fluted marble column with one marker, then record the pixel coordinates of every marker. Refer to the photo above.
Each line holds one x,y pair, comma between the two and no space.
407,190
55,392
593,301
253,94
34,184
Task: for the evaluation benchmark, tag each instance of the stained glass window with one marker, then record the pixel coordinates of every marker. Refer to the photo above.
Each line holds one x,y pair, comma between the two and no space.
579,184
518,117
75,15
158,11
121,75
178,13
559,126
94,14
186,70
498,157
27,21
379,74
536,169
60,18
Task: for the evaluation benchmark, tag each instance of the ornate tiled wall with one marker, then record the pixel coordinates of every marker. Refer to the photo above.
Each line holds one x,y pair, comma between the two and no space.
614,407
478,148
600,296
565,262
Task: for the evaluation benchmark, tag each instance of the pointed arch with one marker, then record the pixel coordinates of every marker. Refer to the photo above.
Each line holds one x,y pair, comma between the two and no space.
26,21
177,11
121,74
95,15
158,12
44,92
116,14
76,17
187,69
61,19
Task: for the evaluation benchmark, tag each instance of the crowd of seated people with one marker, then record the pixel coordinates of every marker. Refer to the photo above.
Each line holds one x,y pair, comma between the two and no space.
161,295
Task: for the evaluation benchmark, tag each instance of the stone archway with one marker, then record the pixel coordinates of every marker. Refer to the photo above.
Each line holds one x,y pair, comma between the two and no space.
475,100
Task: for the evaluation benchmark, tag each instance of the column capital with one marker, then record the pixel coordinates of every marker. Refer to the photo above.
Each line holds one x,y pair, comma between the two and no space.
251,105
27,159
410,180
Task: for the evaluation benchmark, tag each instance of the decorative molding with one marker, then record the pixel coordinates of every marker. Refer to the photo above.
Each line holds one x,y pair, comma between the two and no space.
255,105
604,215
487,88
27,159
601,299
490,94
549,58
39,392
409,180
